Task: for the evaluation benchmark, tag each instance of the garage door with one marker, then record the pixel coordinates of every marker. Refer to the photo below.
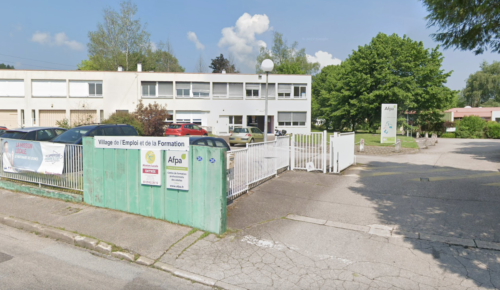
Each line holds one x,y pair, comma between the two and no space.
83,117
199,118
48,118
8,118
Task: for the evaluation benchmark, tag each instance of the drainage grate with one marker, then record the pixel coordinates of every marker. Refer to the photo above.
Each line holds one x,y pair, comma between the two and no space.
424,179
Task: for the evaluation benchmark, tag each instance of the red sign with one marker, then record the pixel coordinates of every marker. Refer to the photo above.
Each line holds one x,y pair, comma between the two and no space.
150,171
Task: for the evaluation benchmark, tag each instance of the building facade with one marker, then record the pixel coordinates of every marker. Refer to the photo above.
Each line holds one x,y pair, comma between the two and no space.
219,102
487,113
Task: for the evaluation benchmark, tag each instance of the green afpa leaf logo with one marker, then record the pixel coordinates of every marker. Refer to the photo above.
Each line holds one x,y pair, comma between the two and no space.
183,156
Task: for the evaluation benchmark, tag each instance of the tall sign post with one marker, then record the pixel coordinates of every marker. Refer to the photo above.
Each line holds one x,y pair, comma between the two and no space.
389,123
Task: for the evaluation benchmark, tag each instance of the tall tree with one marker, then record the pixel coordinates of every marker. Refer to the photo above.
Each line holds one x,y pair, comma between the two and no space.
161,59
200,65
483,85
390,69
466,24
120,39
287,56
6,66
220,63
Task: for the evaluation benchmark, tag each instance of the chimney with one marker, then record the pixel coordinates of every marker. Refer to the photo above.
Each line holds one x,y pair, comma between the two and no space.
139,67
223,71
120,68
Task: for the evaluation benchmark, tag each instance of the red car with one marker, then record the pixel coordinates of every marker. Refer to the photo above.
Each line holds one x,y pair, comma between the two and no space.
185,130
2,130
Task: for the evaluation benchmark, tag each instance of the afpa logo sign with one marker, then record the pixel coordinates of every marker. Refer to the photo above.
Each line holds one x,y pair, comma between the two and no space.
172,160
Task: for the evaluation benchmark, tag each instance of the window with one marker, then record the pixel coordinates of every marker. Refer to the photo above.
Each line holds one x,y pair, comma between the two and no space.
210,143
271,89
182,121
200,142
45,135
284,90
195,127
95,89
219,90
11,88
235,122
183,90
112,131
148,89
85,89
240,130
128,131
299,91
31,136
165,89
292,118
170,118
219,143
46,88
252,90
22,118
33,116
236,90
201,90
59,131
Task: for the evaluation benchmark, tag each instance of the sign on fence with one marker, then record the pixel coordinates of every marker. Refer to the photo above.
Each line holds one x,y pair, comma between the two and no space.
178,170
137,142
389,122
151,167
46,158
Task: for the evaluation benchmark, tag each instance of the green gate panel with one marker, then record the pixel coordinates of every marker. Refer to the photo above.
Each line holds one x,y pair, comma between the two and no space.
112,180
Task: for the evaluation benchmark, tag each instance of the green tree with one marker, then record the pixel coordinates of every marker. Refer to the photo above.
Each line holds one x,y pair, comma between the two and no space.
283,54
87,64
322,84
466,25
161,59
290,69
483,85
470,127
6,66
119,40
125,118
490,103
390,69
220,63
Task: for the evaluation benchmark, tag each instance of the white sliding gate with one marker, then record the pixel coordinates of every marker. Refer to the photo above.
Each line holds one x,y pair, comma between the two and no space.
256,162
309,151
341,151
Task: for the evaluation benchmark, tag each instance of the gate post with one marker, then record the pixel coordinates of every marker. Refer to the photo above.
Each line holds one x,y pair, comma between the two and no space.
325,151
292,158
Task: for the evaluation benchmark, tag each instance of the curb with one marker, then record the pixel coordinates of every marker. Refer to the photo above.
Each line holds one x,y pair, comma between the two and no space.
104,248
66,196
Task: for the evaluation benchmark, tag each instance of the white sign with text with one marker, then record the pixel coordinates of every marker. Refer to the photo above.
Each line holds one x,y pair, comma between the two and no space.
178,170
389,123
151,167
137,142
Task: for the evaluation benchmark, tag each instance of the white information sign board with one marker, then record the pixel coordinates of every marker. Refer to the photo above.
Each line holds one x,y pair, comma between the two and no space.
178,170
389,123
137,142
151,167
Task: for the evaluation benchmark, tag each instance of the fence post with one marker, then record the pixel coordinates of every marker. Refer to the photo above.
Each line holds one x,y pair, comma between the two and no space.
292,161
325,151
248,168
276,155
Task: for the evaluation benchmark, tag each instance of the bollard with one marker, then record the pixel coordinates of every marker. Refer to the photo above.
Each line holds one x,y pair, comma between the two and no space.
426,135
398,146
362,145
418,135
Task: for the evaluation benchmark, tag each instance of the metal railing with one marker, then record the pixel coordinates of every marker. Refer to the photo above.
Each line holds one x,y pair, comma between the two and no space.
71,177
255,163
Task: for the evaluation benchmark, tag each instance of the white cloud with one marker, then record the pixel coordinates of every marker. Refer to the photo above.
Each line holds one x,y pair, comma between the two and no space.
240,39
323,58
59,39
192,36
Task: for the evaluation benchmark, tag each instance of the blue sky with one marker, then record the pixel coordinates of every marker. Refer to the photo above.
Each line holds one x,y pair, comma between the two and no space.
53,34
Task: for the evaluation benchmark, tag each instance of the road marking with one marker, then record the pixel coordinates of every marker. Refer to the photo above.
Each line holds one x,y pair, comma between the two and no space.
442,178
492,184
407,172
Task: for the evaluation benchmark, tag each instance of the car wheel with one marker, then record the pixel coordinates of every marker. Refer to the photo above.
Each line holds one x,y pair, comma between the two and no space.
187,134
205,134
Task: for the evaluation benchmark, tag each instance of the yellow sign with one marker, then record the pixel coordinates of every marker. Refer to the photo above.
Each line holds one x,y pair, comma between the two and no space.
150,157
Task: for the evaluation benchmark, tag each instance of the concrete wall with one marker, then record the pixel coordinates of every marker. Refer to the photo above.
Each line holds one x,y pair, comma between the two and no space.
495,115
112,180
122,91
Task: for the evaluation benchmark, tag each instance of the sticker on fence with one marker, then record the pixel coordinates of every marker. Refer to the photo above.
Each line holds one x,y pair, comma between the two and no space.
178,170
136,142
151,167
310,166
45,158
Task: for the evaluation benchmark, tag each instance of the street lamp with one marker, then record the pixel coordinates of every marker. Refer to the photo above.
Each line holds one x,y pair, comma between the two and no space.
267,65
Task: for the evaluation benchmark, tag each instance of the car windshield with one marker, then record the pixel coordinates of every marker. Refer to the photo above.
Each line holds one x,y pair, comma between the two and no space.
174,126
240,130
1,132
14,135
72,135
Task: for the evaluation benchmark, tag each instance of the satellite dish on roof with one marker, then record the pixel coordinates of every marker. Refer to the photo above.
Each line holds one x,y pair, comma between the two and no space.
468,107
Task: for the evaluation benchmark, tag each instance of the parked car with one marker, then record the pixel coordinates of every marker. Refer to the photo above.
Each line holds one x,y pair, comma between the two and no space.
246,135
75,135
2,130
34,133
185,130
209,141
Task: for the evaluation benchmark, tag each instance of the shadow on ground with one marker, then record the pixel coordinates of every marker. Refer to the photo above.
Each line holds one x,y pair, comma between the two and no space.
487,150
453,203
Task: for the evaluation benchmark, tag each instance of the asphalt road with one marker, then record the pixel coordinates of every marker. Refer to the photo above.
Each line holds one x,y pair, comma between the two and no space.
28,261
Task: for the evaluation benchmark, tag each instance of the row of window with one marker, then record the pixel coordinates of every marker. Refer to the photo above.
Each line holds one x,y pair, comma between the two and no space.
51,88
221,90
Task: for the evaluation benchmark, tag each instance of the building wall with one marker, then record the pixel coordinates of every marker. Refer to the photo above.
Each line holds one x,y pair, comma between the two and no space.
122,91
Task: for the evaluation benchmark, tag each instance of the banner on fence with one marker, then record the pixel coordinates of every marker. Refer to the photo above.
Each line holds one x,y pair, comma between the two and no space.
19,156
389,123
136,142
151,167
178,170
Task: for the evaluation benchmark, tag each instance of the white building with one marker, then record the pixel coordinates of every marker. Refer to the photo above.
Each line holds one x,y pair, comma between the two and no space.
220,101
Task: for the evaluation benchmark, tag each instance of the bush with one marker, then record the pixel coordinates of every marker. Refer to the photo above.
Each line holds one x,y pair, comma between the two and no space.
470,127
125,118
492,130
448,135
64,123
152,118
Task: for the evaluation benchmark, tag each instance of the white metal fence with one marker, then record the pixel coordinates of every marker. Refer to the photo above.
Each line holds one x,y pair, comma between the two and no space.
341,151
309,151
256,162
71,178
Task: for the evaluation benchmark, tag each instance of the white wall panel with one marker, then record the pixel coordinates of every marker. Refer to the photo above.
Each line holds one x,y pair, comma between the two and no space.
78,88
48,88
